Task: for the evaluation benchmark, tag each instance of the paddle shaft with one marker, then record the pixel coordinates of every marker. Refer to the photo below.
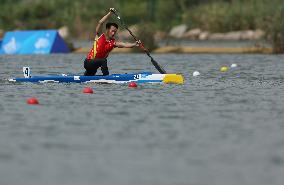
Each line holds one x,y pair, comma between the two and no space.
157,66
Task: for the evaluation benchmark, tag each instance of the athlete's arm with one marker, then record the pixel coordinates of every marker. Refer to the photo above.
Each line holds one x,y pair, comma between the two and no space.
103,20
127,45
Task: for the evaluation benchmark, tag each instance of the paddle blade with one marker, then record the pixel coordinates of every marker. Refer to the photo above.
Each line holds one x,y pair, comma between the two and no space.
158,67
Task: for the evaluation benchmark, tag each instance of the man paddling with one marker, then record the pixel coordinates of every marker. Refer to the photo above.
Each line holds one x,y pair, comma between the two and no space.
102,46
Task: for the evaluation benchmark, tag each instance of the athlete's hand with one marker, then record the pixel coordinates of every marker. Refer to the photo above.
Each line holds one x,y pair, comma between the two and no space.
138,42
112,10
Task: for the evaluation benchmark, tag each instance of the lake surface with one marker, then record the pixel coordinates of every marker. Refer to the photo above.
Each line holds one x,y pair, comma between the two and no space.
216,129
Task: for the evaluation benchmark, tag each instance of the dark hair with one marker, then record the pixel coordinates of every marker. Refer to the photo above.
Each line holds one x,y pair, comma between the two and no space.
109,24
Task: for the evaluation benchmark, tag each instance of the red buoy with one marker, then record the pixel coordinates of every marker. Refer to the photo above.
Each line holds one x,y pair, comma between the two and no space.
132,85
32,101
88,90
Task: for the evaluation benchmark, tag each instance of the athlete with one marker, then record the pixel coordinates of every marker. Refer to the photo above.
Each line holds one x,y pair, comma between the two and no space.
103,44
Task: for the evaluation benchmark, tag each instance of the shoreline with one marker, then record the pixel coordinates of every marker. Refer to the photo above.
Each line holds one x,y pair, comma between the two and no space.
194,50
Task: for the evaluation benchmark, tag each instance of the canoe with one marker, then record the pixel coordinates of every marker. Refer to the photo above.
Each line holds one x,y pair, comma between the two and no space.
142,77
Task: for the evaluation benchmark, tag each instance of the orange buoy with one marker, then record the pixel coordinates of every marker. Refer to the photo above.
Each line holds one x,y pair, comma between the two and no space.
32,101
88,90
132,85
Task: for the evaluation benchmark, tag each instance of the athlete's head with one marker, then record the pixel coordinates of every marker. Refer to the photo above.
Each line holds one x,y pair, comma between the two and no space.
111,29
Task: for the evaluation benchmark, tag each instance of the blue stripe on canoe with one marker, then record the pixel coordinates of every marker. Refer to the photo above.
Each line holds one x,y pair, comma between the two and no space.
69,79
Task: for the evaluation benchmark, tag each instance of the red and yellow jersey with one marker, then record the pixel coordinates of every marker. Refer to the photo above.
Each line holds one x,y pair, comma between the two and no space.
101,47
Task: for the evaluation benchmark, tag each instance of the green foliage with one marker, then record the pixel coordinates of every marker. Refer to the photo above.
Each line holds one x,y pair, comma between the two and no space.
146,34
275,30
220,16
168,14
227,16
82,16
134,11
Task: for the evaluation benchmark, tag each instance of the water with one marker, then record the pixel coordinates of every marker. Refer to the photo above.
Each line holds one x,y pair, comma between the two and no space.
216,129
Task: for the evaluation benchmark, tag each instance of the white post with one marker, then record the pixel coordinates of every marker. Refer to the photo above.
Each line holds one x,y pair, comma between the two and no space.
27,72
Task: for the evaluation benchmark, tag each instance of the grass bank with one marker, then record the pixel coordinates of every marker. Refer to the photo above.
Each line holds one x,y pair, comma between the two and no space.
212,15
220,16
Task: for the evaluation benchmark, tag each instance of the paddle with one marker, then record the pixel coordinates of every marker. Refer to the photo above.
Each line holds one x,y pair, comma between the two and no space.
157,66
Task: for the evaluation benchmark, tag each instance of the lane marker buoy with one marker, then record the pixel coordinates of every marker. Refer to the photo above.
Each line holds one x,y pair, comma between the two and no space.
32,101
132,85
88,90
195,73
234,65
224,69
